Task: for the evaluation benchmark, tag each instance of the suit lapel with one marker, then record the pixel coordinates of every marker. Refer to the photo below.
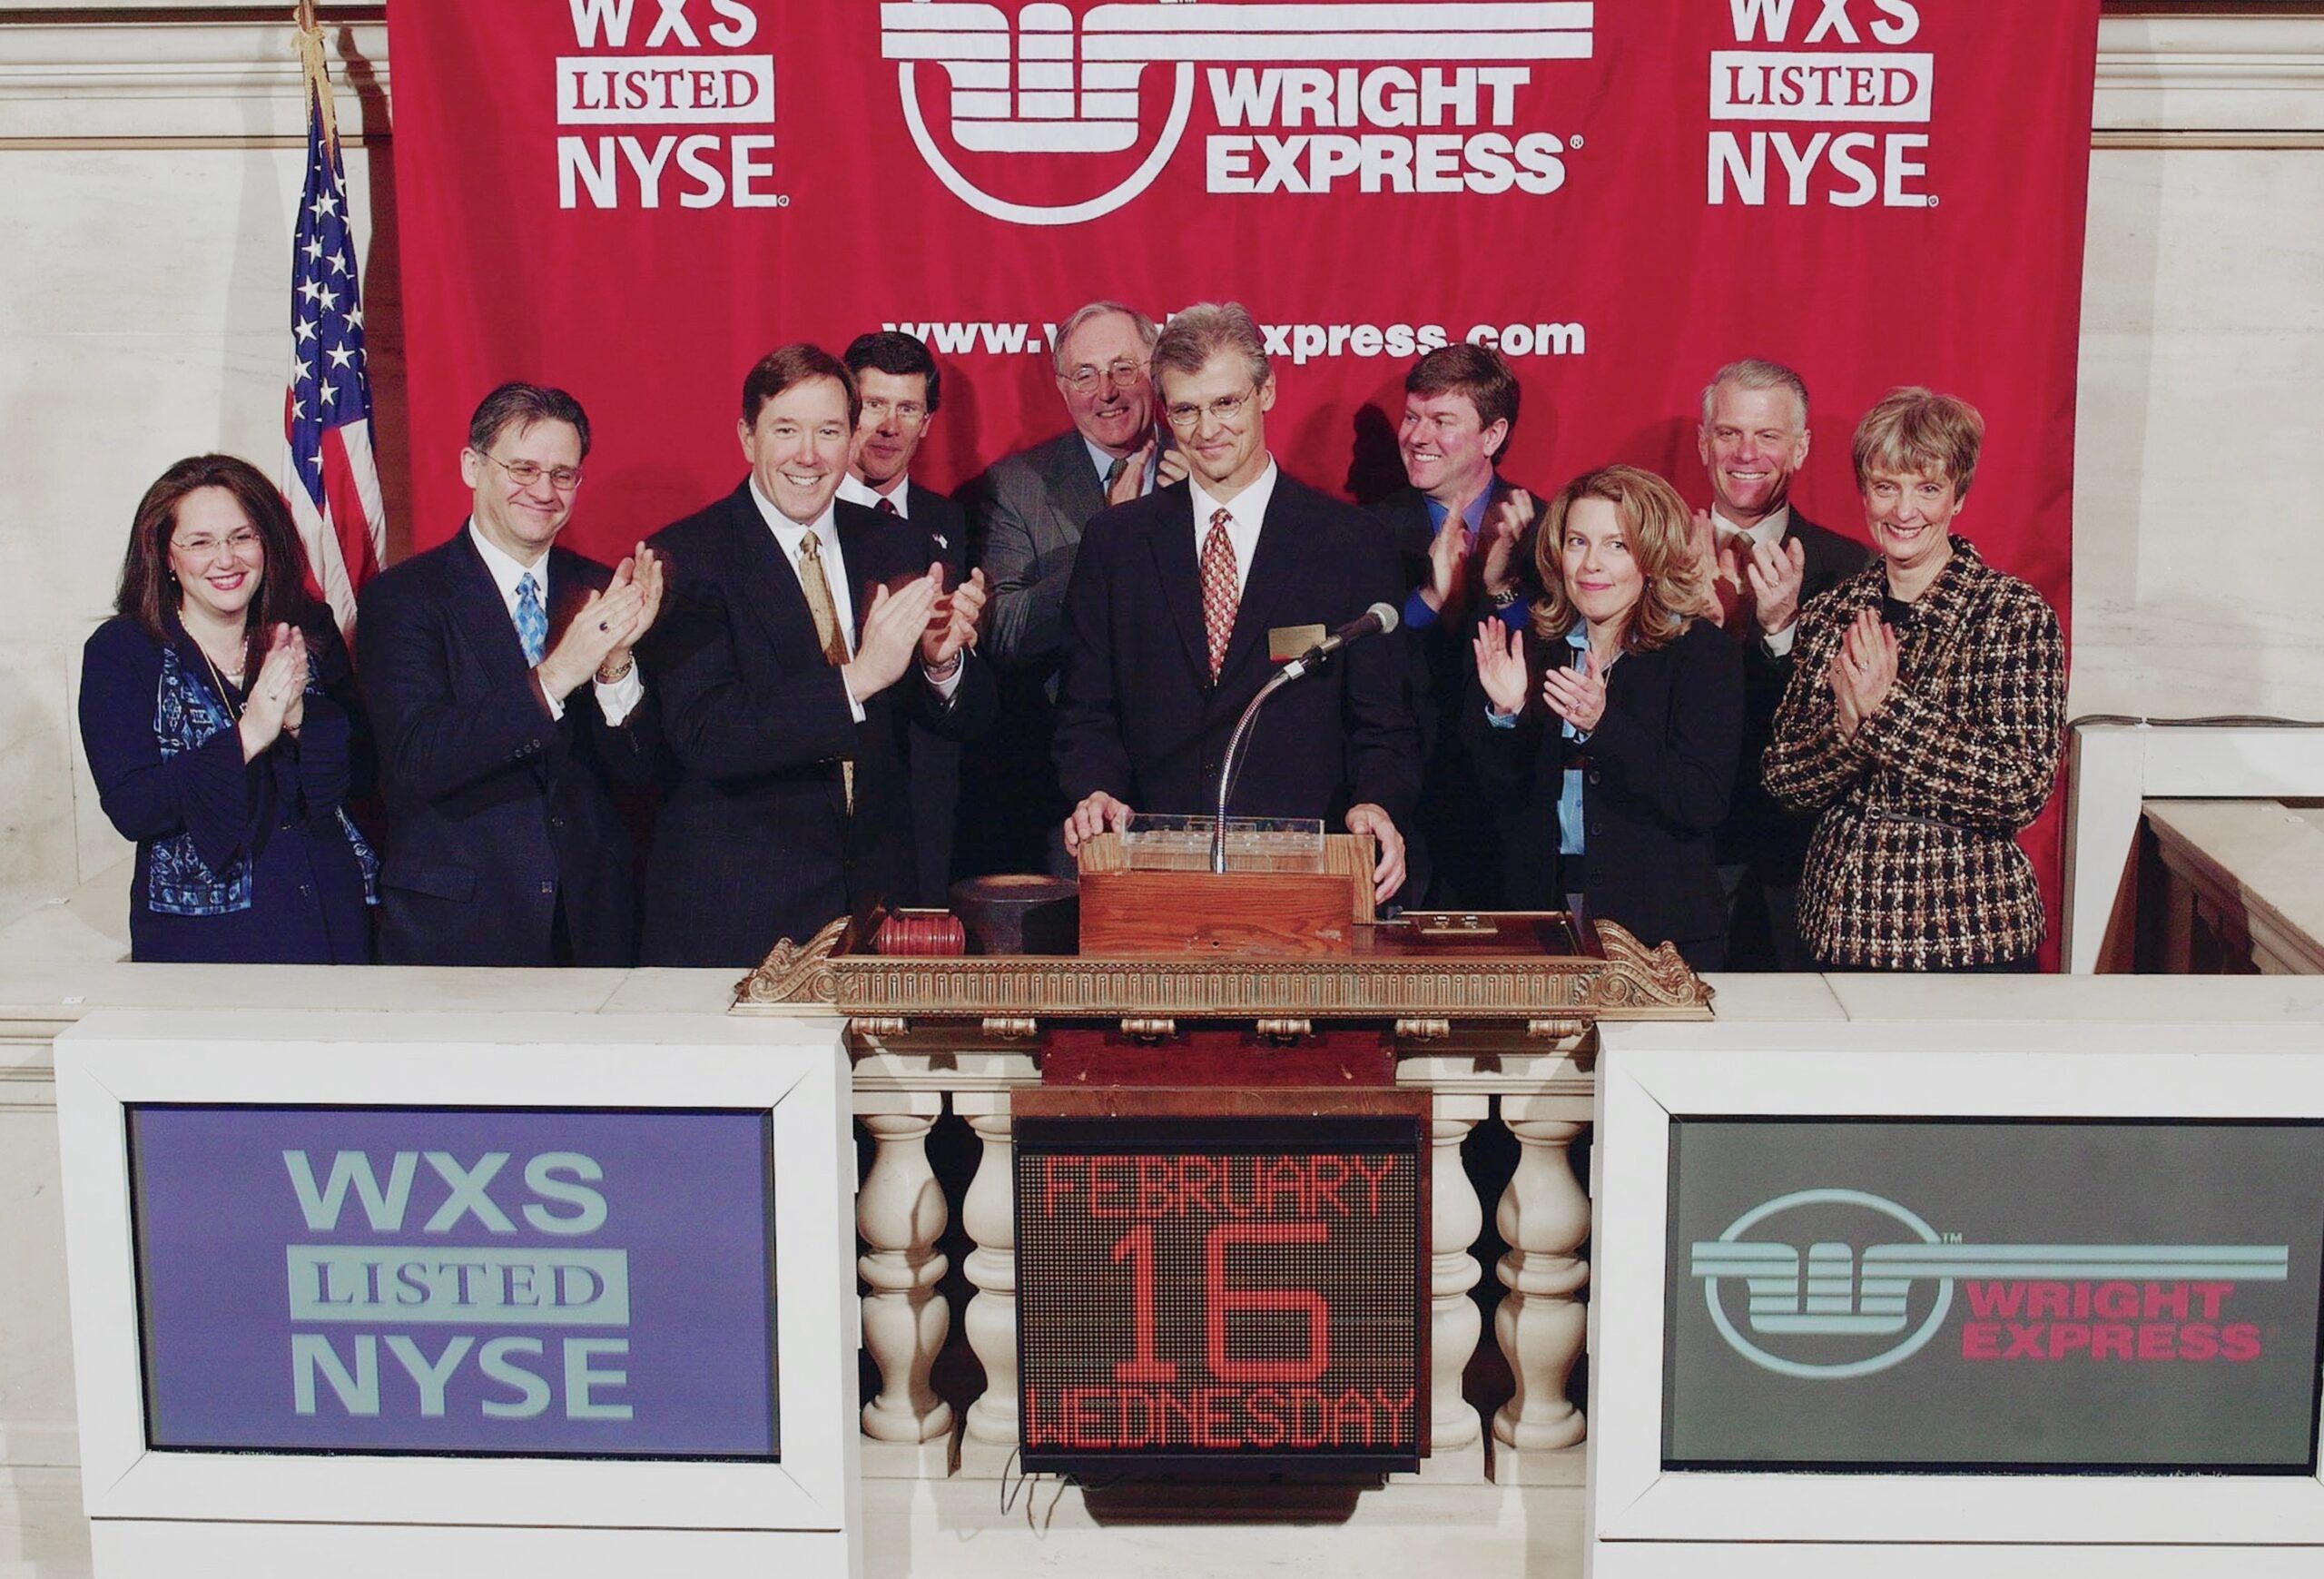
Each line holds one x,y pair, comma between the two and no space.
1273,564
766,586
1073,481
864,565
482,618
1171,536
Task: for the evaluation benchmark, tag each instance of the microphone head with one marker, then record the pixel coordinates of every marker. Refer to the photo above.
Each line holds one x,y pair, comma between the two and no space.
1386,614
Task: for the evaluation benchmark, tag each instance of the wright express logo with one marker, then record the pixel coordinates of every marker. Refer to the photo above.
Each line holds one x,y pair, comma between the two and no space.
1829,1310
1046,119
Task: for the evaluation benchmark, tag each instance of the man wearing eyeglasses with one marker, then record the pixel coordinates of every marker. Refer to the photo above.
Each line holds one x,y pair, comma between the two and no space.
1178,601
1026,517
506,703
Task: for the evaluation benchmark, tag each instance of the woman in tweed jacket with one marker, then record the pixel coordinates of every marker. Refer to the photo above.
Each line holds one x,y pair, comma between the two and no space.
1924,719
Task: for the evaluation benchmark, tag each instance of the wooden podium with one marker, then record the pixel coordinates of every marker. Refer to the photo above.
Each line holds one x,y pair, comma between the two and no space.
1239,914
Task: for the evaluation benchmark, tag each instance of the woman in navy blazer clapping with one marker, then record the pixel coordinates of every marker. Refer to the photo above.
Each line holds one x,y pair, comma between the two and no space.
224,733
1617,719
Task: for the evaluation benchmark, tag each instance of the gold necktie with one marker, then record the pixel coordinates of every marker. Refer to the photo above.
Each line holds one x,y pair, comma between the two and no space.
827,632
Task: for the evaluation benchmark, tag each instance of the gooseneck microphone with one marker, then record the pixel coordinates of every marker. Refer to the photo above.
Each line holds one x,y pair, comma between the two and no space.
1377,620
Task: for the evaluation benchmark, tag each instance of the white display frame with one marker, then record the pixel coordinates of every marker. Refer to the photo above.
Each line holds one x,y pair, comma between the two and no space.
1643,1520
796,1070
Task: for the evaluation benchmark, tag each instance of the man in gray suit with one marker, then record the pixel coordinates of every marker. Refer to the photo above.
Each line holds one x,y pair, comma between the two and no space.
1026,515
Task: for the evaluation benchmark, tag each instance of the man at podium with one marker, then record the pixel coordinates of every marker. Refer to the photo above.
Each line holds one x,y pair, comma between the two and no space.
1182,602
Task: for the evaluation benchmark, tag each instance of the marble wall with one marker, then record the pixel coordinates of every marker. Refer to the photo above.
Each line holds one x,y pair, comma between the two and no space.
149,166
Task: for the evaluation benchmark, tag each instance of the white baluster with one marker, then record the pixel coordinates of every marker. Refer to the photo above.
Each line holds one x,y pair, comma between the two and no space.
989,1215
900,1211
1544,1218
1456,1217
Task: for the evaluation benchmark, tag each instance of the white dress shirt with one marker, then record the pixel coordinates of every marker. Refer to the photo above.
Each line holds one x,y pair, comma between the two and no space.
855,490
1769,531
614,701
791,537
1104,463
1246,516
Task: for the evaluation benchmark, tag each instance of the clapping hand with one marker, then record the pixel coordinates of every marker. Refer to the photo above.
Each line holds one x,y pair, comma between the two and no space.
1577,696
953,620
893,629
1506,522
278,695
1775,574
1448,557
1863,671
601,629
1501,665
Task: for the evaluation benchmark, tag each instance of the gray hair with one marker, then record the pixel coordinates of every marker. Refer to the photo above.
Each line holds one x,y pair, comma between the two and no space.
1200,332
1081,315
1757,373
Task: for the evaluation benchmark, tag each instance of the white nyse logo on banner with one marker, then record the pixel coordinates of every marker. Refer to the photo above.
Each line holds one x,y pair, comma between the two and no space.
713,83
1363,94
1849,72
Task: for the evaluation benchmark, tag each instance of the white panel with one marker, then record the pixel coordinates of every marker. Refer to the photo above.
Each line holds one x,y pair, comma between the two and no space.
795,1068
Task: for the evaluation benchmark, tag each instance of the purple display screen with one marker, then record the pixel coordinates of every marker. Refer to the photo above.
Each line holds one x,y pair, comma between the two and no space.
597,1283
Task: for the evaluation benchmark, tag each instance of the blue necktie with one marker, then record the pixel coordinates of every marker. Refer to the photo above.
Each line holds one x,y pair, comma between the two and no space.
532,620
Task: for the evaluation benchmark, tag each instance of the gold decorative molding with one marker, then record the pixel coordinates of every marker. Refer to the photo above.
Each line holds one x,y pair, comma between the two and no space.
1630,983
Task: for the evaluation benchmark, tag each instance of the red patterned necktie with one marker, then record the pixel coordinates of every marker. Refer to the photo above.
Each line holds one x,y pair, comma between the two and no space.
1219,595
886,507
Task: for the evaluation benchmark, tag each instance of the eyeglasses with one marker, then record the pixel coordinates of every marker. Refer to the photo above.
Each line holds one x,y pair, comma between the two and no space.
1123,375
1186,414
201,547
525,473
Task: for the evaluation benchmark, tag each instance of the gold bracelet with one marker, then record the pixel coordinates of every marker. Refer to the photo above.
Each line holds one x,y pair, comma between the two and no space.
619,674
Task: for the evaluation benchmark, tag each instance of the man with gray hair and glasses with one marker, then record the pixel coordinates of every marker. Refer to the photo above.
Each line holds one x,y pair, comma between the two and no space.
1180,601
1026,515
1766,559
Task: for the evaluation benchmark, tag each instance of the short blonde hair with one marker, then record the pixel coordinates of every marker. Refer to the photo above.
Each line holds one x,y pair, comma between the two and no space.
1916,430
1660,528
1196,334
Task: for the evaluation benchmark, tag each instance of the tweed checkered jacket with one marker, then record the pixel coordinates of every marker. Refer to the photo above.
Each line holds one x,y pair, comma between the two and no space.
1915,864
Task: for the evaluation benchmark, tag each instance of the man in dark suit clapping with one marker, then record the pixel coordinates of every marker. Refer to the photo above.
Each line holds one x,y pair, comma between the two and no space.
903,390
1767,559
498,674
1168,617
805,635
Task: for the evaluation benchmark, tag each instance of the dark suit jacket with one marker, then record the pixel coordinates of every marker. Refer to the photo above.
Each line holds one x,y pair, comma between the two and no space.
1759,833
1659,769
1460,841
935,775
1026,515
1138,717
496,810
755,844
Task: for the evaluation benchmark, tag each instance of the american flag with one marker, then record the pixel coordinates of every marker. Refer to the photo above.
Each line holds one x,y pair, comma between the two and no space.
331,479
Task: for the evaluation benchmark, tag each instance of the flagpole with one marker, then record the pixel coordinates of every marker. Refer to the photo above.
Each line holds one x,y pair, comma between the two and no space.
310,56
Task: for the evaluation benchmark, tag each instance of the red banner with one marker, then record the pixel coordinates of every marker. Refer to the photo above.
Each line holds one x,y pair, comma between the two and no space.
633,199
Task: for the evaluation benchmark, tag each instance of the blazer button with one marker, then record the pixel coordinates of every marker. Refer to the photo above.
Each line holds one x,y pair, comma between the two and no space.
556,824
1596,829
1593,776
548,890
